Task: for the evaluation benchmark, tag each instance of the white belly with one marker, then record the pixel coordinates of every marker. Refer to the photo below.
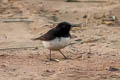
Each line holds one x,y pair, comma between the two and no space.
57,43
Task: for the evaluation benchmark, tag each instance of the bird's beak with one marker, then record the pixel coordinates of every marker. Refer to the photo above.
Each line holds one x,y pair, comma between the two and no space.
76,25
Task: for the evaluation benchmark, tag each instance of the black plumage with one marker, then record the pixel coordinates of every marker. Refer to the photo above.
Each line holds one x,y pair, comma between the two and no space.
61,30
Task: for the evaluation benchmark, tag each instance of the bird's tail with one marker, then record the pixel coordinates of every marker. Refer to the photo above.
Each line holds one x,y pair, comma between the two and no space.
34,39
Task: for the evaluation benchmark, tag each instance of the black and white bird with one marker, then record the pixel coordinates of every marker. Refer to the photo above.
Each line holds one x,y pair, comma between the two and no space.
57,38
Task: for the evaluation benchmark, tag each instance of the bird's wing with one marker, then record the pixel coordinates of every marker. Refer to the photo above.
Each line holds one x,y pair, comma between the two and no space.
47,36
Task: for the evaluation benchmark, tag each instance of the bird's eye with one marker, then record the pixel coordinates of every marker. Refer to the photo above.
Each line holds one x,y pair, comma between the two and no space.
63,26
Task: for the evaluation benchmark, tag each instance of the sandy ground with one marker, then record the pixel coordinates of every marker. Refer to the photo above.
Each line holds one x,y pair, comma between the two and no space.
94,52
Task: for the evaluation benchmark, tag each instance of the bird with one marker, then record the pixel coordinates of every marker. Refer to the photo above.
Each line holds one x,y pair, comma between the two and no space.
57,38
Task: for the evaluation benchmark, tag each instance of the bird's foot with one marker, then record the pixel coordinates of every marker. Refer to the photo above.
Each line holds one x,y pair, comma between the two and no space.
67,58
56,60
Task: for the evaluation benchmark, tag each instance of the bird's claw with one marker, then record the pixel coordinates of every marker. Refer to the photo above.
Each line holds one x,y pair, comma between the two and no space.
54,60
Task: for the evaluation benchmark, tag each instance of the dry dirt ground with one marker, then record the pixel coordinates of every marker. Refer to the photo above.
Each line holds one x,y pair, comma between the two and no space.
95,47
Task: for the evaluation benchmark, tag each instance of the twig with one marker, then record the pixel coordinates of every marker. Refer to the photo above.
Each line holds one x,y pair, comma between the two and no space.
2,49
17,20
88,1
102,6
87,19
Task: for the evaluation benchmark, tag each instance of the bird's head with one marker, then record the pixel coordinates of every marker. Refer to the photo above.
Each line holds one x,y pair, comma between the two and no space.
65,26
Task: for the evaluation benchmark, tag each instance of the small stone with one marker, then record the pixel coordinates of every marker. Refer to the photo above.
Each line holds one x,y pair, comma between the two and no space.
48,71
35,48
3,66
85,16
113,69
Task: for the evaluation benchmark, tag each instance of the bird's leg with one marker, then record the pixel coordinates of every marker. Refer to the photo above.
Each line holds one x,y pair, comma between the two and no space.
50,56
62,54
